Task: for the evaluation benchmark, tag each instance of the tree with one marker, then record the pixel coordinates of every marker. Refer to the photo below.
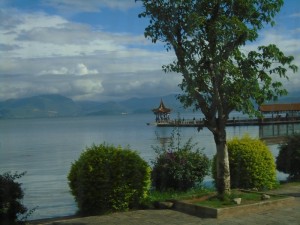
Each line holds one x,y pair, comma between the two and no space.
218,76
288,159
12,211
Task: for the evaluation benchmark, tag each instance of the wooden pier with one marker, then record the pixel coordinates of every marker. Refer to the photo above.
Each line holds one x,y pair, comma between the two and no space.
291,111
231,122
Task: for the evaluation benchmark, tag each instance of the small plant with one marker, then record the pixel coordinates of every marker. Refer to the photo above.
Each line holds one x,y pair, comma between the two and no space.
251,164
288,159
12,211
106,179
179,167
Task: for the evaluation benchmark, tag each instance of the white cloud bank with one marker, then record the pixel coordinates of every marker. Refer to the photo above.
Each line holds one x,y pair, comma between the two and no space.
75,6
80,69
49,53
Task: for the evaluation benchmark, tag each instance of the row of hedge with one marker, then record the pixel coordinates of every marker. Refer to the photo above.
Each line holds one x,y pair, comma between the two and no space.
106,178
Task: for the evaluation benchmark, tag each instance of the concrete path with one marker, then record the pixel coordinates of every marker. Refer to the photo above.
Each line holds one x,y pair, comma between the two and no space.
290,214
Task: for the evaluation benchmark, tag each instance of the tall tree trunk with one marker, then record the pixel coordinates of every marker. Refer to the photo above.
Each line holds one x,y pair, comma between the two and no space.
223,170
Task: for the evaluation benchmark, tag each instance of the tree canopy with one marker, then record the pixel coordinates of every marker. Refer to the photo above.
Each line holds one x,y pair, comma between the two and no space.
207,37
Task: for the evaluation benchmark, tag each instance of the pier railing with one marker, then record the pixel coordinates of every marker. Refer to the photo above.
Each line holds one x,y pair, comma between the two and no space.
230,122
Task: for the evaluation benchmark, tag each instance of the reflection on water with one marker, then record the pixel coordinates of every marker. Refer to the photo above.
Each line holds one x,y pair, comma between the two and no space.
278,130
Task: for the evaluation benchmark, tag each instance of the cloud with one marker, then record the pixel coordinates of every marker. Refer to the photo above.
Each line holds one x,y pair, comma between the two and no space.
83,87
295,15
66,33
47,53
78,87
42,35
4,47
108,86
80,69
141,84
7,21
76,6
9,89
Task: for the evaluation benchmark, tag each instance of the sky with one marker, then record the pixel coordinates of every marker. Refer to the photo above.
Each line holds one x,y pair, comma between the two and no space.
96,50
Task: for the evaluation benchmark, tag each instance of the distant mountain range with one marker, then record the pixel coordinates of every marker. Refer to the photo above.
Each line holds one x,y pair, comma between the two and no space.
130,106
53,105
39,106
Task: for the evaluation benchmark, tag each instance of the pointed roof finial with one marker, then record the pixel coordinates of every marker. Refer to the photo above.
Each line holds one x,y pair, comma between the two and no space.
161,108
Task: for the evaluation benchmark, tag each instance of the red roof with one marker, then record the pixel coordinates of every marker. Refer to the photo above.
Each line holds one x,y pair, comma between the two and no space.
280,107
161,108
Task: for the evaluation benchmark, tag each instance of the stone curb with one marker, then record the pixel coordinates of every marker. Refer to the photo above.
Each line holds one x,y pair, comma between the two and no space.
208,212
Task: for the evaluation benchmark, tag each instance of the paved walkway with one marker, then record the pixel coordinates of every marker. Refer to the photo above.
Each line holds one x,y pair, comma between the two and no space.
290,214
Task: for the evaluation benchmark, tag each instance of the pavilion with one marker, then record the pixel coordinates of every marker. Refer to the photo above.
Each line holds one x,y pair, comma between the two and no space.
291,110
162,113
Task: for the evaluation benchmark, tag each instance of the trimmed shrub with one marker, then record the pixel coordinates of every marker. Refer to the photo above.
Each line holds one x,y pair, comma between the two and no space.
11,195
179,168
106,179
288,159
251,164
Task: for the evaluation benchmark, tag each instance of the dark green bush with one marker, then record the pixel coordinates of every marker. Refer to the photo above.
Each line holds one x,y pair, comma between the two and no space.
288,159
11,195
106,179
179,167
251,164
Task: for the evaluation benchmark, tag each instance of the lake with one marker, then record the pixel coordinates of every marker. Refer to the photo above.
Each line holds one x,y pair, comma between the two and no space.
45,149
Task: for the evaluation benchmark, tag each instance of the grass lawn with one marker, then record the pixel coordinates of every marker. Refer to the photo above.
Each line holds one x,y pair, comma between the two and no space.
207,196
247,198
157,196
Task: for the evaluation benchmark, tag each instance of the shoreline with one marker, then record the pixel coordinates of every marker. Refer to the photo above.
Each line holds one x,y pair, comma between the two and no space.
53,219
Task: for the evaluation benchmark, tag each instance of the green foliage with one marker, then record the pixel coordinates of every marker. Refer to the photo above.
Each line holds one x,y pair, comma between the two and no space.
251,164
288,159
11,195
106,179
207,38
219,77
179,167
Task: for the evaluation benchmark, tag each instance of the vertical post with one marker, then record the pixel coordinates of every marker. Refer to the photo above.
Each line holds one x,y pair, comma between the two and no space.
261,131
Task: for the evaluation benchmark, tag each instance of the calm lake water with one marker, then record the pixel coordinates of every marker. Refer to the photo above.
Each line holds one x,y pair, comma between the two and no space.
45,149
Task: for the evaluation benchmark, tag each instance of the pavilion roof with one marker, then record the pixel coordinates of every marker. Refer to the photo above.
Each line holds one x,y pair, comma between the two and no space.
161,108
287,107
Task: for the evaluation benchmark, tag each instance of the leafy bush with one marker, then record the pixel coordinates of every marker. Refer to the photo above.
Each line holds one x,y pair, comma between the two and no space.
179,167
288,159
11,194
106,178
251,164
